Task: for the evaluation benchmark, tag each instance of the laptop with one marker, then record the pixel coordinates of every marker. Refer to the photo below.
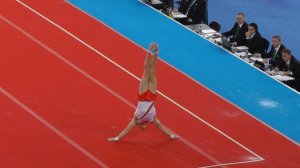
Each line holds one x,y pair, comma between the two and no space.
226,44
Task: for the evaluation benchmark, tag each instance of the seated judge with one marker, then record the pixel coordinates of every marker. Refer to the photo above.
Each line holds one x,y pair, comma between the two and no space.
168,3
291,67
253,39
238,31
195,10
275,54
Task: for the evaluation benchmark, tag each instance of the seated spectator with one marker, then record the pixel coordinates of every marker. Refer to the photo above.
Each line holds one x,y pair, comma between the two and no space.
253,39
291,67
195,10
238,31
275,54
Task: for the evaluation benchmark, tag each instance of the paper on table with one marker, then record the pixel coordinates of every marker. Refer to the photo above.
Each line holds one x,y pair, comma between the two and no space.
242,54
178,15
154,2
257,59
218,40
242,48
275,73
283,77
270,72
208,31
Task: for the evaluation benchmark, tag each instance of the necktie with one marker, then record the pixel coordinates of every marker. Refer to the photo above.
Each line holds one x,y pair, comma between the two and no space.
237,32
274,55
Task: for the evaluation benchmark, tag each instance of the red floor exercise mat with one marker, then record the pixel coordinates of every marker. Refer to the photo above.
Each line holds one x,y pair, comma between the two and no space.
89,99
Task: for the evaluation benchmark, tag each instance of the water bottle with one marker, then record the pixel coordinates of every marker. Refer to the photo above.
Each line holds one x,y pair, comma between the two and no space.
170,13
267,66
246,54
201,32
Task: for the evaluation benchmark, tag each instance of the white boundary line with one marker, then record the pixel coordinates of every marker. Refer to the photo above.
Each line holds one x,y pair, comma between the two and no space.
228,164
52,128
188,75
163,95
69,63
111,91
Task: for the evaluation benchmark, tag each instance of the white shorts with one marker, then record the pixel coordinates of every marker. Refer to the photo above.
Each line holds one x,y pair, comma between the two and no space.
145,112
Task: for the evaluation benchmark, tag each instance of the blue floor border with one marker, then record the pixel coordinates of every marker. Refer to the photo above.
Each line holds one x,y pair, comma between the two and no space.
218,70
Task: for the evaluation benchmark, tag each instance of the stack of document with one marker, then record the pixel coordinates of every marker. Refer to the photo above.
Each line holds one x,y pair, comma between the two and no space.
155,2
178,15
242,54
208,31
257,59
241,48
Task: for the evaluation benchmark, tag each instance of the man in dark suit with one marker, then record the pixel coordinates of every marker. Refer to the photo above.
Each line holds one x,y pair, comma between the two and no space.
195,10
183,6
275,54
253,39
291,67
238,31
168,3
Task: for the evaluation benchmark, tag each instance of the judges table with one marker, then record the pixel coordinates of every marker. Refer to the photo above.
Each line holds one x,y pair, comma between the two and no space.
208,33
241,52
198,27
157,4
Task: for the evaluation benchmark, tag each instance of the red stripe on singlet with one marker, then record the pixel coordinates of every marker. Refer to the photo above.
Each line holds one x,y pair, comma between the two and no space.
147,111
